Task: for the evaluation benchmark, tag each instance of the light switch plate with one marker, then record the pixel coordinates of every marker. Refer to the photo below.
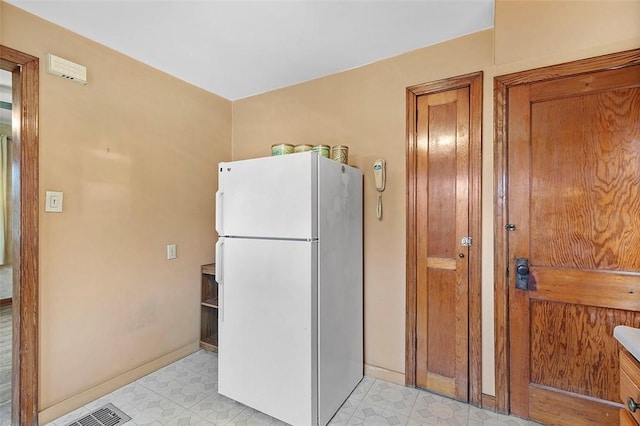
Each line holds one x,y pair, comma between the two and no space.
53,202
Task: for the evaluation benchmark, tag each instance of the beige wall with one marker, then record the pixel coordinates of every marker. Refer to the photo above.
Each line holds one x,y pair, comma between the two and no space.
365,109
135,152
535,29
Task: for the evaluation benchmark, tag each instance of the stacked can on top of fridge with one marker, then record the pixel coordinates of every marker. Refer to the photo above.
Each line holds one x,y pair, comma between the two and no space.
339,153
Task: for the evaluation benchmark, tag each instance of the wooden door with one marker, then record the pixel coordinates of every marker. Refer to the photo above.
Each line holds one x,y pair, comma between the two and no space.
442,262
573,195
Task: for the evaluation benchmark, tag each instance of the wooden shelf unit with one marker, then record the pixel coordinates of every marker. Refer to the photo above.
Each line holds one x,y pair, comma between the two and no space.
209,309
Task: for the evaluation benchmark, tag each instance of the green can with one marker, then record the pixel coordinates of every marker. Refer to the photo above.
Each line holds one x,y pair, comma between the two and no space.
281,149
323,150
302,148
340,153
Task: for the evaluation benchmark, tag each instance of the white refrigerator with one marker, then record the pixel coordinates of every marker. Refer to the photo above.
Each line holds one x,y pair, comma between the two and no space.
289,270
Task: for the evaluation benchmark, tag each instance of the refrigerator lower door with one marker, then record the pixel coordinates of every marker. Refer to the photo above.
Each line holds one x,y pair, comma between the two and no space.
267,336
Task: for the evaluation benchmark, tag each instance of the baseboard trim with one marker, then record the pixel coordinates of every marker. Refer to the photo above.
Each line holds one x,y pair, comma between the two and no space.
68,405
384,374
488,402
6,301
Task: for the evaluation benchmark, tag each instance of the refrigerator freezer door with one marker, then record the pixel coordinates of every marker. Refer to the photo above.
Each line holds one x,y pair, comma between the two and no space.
267,339
270,197
340,359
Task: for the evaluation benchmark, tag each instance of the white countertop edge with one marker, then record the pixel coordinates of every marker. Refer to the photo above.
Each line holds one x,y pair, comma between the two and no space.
629,337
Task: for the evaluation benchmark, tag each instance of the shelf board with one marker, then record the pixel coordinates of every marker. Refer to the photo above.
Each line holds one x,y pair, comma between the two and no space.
212,303
209,269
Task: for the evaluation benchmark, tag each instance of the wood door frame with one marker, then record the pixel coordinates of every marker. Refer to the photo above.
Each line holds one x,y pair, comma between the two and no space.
502,84
474,82
25,83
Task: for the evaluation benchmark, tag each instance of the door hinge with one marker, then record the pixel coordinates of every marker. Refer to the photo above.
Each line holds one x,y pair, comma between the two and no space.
466,242
510,227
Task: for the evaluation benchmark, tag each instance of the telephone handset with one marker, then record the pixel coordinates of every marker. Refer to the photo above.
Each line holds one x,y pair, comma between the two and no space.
379,174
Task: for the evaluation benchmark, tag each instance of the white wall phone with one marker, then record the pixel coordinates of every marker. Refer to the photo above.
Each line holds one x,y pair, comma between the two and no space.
379,174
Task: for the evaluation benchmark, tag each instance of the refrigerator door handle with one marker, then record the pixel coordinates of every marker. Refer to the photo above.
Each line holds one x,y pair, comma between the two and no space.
219,221
220,277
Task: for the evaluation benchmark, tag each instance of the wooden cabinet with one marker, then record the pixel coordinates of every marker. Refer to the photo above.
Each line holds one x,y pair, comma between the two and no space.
209,309
629,389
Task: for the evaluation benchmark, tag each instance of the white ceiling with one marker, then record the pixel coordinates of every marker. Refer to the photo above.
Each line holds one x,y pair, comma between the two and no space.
241,48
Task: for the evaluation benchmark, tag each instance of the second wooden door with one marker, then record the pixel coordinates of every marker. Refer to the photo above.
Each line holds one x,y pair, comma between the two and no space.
574,228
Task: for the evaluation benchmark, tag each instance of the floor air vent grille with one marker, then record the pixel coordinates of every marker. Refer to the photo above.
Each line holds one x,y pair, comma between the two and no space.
104,416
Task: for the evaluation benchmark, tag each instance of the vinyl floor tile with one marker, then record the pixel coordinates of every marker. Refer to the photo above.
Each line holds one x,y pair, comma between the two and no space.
251,417
367,415
218,409
340,418
185,393
187,418
389,396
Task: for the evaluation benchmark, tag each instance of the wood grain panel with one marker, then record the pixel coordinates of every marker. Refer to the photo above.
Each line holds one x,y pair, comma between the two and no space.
596,218
593,288
28,241
441,320
462,229
500,247
474,253
441,263
421,329
419,236
611,61
585,84
519,171
573,348
626,419
563,408
411,301
441,177
440,384
488,402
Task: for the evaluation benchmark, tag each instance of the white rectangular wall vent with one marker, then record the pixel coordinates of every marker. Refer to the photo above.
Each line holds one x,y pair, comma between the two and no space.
66,69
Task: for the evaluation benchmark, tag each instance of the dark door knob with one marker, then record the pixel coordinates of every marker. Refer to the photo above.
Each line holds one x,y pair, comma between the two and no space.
633,406
522,269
